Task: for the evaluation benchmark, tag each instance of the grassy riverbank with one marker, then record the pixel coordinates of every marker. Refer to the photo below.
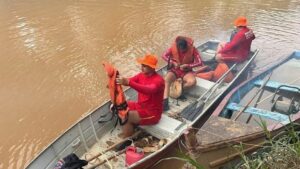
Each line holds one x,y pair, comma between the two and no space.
281,151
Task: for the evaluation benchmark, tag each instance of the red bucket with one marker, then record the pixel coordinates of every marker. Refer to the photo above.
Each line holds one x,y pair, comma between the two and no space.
133,155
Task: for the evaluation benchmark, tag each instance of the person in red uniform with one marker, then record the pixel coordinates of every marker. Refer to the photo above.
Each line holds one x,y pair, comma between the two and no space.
150,86
237,50
182,56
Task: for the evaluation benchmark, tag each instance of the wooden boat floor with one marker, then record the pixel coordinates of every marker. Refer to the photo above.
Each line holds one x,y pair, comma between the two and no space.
218,129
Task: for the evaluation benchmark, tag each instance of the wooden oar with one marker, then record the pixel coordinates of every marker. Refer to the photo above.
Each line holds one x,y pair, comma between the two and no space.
260,90
114,145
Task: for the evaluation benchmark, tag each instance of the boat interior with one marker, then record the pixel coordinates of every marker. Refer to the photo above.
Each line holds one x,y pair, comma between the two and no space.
279,100
171,123
267,102
98,143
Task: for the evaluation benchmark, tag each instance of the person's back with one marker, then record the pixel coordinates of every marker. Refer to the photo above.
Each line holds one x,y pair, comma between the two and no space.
246,36
237,50
240,45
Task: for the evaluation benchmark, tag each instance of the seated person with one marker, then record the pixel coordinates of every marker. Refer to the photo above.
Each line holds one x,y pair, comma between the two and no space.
182,56
237,50
150,87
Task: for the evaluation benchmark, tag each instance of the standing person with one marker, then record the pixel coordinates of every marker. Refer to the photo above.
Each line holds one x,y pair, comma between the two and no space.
182,56
237,50
150,86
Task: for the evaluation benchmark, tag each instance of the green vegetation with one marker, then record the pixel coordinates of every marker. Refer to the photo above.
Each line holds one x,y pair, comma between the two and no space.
280,152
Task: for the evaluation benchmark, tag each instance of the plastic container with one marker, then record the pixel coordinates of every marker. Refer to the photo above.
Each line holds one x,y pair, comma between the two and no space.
133,154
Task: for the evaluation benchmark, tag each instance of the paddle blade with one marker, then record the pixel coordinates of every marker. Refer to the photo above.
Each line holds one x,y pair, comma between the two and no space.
196,111
191,111
185,113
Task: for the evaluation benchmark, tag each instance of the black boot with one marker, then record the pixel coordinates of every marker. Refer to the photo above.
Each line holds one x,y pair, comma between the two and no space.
166,104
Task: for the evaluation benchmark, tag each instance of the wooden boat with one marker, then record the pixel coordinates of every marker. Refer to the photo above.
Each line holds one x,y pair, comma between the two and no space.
87,138
269,99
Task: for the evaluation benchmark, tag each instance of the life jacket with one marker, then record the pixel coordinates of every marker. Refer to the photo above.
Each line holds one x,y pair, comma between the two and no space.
221,69
216,74
206,75
187,57
117,95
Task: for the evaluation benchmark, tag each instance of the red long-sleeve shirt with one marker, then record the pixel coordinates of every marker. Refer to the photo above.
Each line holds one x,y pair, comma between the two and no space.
150,92
238,48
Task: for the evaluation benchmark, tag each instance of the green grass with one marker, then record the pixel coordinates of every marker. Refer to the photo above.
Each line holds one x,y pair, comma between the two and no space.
280,152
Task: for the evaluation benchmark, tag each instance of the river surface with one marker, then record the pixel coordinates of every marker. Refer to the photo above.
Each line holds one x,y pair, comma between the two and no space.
51,53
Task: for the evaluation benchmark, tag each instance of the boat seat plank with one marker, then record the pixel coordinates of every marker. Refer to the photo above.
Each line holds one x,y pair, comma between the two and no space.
201,86
274,85
206,84
165,128
218,129
259,112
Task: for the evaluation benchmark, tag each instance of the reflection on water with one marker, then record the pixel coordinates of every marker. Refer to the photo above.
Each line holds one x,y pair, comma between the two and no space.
51,54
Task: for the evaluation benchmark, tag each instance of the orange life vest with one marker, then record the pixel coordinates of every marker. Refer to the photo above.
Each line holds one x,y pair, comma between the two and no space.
216,74
116,92
187,57
221,69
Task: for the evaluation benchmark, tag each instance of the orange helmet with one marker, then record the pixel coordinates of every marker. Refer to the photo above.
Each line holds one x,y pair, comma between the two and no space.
241,21
149,60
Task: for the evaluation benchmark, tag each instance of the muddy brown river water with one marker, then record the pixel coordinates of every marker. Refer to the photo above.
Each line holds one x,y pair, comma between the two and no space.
51,53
